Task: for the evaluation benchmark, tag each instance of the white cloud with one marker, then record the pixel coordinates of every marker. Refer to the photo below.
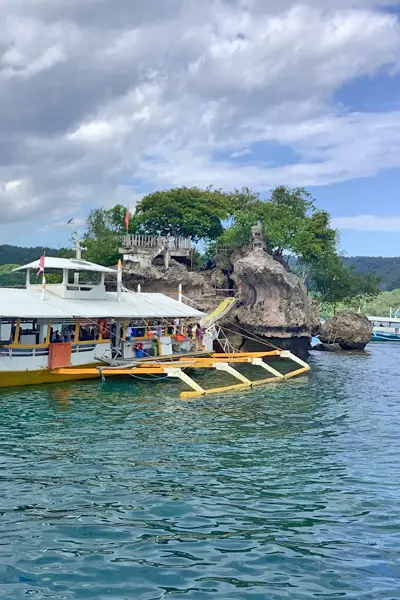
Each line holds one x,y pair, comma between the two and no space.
12,185
240,153
97,93
368,223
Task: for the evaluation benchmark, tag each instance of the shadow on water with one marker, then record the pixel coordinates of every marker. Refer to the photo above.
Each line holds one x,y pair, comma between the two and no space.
120,490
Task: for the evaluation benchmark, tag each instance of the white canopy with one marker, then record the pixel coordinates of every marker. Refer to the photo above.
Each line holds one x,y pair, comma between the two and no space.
27,303
72,264
385,319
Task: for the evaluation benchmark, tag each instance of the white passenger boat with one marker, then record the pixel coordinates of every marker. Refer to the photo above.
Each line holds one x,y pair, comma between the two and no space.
75,324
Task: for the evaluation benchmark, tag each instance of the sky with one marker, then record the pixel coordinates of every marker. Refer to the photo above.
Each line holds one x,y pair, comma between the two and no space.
103,101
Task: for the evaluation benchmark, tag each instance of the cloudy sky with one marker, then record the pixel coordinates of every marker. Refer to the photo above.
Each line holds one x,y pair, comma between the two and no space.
102,101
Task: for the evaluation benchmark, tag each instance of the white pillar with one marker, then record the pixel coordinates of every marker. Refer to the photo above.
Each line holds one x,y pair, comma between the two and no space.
119,281
180,293
43,287
139,288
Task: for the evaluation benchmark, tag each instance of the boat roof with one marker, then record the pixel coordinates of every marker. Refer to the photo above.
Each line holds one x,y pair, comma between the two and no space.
28,303
385,319
73,264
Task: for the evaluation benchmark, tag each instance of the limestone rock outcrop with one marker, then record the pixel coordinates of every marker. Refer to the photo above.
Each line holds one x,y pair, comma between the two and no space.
272,301
328,347
348,329
158,279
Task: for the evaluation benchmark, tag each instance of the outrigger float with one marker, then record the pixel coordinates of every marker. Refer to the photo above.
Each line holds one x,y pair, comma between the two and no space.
76,330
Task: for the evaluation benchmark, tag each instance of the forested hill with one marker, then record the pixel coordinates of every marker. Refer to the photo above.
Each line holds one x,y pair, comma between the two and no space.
386,268
13,256
16,255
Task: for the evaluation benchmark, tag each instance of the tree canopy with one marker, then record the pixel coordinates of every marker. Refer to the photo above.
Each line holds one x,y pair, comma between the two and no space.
184,212
294,229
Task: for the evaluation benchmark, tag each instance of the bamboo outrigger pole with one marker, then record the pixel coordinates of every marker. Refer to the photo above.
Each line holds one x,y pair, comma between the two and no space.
219,362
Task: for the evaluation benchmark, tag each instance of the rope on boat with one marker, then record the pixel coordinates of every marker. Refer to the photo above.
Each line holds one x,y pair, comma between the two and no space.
254,337
250,336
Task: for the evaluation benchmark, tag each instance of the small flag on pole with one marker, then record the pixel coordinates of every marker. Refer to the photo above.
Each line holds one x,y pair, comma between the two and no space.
71,221
41,266
127,218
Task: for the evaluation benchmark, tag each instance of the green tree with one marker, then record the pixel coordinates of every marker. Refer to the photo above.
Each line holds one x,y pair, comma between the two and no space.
184,212
104,230
332,283
245,209
285,219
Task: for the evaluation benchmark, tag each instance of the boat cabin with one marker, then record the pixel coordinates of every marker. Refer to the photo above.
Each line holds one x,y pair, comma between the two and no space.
390,324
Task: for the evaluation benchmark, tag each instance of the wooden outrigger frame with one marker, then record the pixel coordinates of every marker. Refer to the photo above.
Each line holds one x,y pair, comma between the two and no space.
220,362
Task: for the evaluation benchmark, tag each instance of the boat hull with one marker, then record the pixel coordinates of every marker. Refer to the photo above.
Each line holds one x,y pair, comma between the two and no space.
382,338
41,376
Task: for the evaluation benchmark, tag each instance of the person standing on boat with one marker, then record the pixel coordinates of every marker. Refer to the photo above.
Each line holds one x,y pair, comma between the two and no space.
199,337
176,326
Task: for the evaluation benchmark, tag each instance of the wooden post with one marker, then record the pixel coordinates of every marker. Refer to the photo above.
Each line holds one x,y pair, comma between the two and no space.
17,330
76,335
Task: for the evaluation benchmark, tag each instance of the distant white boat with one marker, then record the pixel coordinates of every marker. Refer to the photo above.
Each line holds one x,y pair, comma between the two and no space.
385,329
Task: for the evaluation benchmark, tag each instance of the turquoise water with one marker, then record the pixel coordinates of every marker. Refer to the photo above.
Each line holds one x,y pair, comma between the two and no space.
120,491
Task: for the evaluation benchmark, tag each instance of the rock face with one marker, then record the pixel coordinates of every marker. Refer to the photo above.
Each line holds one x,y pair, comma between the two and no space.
328,347
158,279
350,330
273,302
198,287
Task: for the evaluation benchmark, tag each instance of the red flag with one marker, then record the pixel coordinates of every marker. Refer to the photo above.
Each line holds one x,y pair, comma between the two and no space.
41,266
127,218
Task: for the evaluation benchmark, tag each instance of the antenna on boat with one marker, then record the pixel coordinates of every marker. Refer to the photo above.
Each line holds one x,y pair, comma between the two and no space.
78,252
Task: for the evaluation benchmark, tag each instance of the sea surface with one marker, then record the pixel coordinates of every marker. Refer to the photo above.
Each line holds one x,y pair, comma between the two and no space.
120,490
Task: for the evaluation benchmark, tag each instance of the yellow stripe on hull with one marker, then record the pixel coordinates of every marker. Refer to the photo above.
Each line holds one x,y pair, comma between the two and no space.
19,378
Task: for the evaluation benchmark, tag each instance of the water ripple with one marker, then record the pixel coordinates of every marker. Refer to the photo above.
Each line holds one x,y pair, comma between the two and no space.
121,491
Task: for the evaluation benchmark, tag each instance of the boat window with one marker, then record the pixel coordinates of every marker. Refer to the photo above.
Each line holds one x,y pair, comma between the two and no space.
88,331
7,330
86,278
29,333
136,329
63,331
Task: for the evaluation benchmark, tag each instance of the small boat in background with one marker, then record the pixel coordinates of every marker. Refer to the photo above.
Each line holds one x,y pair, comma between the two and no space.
385,329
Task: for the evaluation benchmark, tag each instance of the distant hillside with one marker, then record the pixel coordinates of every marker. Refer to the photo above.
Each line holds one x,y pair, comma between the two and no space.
16,255
13,256
386,268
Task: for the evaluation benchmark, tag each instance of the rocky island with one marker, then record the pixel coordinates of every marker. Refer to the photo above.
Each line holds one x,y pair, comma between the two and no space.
246,244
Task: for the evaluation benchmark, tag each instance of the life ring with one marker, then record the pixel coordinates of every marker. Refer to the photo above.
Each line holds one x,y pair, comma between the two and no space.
103,327
139,346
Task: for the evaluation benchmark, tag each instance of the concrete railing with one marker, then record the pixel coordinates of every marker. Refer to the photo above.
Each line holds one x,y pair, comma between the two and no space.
152,241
